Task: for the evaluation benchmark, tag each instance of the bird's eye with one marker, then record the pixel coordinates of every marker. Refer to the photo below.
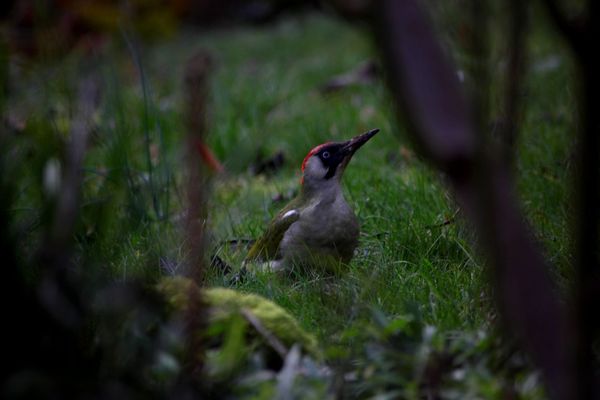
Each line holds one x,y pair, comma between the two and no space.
325,154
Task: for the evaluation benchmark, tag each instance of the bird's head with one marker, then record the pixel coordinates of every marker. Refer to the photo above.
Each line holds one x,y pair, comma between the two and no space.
324,165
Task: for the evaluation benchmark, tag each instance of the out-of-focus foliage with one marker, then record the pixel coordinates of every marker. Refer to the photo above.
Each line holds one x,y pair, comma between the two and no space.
404,358
52,28
150,18
240,359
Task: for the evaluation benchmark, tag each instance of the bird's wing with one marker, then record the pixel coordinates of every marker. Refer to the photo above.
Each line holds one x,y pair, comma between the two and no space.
266,247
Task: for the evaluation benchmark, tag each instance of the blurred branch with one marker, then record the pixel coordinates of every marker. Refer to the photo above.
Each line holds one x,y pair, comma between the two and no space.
46,320
582,35
424,82
55,290
196,94
68,201
571,29
427,88
588,191
517,28
478,35
587,236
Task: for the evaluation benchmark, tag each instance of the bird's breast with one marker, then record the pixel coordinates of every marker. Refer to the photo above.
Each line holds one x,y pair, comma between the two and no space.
323,227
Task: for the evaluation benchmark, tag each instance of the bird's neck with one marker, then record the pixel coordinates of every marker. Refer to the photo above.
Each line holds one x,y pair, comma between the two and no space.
324,191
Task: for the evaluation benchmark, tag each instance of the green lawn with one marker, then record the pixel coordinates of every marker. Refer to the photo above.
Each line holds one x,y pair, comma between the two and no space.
265,98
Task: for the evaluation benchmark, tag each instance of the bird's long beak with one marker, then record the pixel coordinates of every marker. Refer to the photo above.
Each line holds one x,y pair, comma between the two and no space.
356,142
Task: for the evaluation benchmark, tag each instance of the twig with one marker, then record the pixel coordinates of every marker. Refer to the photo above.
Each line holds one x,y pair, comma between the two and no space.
271,339
447,222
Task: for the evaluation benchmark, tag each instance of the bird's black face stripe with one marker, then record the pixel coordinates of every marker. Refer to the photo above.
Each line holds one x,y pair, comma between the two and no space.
331,156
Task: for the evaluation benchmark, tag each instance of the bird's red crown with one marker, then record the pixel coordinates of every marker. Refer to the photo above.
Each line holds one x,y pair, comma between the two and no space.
311,153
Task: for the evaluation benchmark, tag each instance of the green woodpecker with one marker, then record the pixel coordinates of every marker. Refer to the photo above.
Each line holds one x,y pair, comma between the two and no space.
317,229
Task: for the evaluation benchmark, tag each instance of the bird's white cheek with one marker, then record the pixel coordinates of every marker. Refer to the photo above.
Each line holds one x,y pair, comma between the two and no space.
314,168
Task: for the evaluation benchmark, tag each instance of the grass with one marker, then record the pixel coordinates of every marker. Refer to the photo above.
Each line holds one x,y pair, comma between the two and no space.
401,261
265,98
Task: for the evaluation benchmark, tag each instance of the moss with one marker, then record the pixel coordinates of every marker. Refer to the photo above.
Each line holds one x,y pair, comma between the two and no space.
224,303
176,291
274,318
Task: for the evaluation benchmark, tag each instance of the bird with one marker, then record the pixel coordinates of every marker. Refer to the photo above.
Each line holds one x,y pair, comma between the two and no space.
318,229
